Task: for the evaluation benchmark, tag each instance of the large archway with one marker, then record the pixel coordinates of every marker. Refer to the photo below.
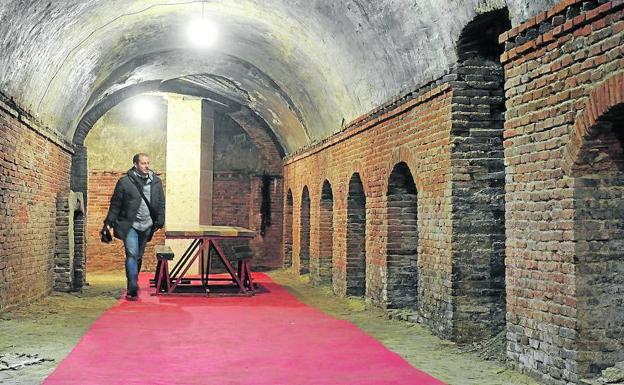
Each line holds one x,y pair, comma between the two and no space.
356,237
599,233
304,233
402,246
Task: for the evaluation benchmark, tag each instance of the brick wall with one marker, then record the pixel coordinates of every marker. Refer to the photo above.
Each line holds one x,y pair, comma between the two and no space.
416,131
418,194
478,198
247,162
69,261
304,232
237,201
564,83
110,256
34,170
321,268
287,234
402,242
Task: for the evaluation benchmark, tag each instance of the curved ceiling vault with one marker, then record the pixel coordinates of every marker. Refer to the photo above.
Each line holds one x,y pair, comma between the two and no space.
303,66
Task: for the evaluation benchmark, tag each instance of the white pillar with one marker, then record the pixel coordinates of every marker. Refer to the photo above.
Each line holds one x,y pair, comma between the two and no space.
206,166
189,166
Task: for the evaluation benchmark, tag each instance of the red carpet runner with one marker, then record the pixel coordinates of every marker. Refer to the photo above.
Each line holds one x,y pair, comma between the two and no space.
271,338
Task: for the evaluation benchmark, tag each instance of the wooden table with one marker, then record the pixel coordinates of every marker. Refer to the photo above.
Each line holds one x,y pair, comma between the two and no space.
204,239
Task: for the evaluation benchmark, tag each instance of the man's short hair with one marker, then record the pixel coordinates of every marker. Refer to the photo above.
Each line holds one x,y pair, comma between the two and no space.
136,157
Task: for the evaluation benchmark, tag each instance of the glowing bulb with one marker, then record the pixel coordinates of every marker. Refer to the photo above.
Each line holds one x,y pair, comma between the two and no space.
202,33
144,109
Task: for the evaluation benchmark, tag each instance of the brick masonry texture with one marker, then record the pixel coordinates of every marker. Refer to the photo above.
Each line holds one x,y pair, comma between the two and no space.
416,132
430,223
243,208
432,202
34,172
69,253
564,89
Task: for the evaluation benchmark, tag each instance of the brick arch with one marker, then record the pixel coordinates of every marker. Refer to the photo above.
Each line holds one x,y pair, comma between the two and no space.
356,236
402,238
405,155
595,159
288,228
479,37
322,274
357,167
601,99
304,231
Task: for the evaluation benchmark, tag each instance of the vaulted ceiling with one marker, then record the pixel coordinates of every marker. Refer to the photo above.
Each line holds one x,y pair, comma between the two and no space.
305,67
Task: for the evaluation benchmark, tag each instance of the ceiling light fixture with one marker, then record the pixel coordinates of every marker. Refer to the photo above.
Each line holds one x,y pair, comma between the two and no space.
143,108
202,33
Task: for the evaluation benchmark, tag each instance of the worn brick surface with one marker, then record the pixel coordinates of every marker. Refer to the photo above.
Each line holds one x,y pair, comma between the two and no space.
416,132
562,197
34,171
432,233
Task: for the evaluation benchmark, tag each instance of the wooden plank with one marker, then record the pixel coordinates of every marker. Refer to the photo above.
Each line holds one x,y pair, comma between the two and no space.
209,231
164,252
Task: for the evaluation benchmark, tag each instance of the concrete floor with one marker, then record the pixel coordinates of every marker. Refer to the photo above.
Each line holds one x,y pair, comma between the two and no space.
44,332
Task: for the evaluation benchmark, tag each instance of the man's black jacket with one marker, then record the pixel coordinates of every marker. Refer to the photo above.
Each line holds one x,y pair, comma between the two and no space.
126,200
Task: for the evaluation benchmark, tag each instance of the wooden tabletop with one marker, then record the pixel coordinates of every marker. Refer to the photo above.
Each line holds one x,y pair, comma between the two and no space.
209,231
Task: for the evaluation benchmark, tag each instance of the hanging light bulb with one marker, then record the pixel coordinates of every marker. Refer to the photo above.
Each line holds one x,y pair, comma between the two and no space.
143,108
202,33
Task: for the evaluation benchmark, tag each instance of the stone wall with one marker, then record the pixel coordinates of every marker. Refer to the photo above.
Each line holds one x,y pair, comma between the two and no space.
563,155
34,170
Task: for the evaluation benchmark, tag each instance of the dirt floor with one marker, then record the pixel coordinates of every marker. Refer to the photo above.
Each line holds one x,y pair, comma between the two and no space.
35,338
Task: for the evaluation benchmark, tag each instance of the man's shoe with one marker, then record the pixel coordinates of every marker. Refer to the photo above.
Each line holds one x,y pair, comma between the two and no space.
133,289
131,297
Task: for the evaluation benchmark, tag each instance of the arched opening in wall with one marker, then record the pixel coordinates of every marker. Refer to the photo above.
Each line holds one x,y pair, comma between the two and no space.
479,38
304,233
402,248
288,230
326,235
599,231
478,194
356,237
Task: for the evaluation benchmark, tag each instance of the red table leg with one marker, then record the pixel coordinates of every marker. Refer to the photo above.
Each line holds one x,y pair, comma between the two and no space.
228,265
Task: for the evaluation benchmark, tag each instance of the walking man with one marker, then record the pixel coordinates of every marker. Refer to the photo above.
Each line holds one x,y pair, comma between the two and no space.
137,210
